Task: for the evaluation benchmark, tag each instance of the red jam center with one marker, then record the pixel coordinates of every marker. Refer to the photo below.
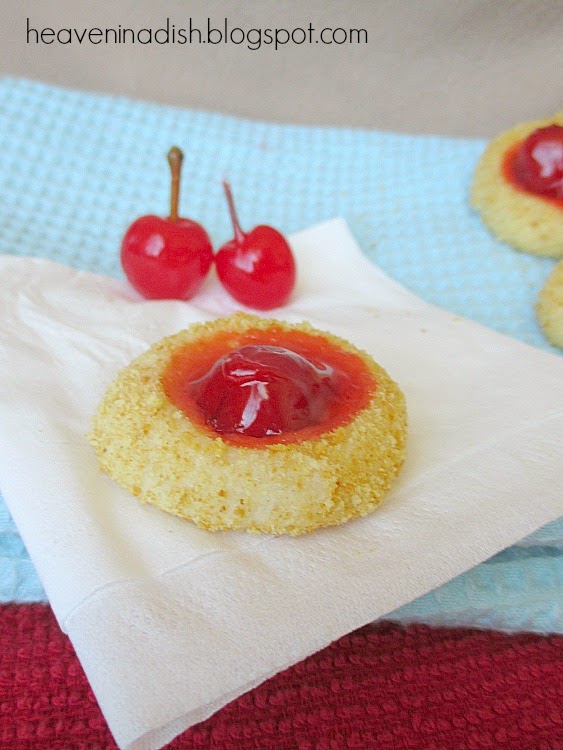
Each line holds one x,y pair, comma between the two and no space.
263,390
536,164
260,388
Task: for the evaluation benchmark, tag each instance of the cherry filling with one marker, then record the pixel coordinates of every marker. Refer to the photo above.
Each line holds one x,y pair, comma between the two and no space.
263,390
255,389
536,164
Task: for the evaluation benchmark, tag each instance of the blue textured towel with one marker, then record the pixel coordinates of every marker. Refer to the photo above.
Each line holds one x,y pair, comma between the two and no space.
76,168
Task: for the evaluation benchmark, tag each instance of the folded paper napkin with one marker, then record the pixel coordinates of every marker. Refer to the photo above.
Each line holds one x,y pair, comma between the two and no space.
171,622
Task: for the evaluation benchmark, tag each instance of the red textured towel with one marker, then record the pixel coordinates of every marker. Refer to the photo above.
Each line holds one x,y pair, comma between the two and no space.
385,687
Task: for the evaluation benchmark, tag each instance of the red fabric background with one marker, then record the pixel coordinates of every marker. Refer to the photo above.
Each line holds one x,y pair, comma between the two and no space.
385,687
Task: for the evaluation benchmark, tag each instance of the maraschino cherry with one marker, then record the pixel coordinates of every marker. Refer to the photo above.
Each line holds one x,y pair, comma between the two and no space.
257,268
538,162
167,258
261,390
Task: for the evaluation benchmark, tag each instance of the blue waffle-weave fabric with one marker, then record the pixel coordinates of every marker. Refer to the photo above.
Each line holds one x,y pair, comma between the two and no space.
77,168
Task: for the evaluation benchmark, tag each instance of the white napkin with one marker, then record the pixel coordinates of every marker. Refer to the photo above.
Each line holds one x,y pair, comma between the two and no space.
171,622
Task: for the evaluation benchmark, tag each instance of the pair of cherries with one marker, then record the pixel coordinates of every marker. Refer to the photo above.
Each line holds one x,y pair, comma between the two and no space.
169,258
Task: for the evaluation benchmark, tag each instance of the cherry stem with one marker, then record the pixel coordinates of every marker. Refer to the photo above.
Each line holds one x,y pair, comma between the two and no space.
175,159
239,234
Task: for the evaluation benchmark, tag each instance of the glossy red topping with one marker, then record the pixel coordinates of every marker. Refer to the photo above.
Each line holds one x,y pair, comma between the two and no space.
263,390
279,386
536,164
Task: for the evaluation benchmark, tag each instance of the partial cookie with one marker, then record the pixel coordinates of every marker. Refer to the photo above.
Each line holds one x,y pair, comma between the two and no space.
318,474
549,307
526,221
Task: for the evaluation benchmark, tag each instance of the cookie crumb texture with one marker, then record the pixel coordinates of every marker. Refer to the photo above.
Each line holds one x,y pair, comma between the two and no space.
527,222
149,447
549,308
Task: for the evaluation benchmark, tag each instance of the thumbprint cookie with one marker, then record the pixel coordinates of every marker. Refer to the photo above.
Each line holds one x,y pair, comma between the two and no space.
518,187
253,424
